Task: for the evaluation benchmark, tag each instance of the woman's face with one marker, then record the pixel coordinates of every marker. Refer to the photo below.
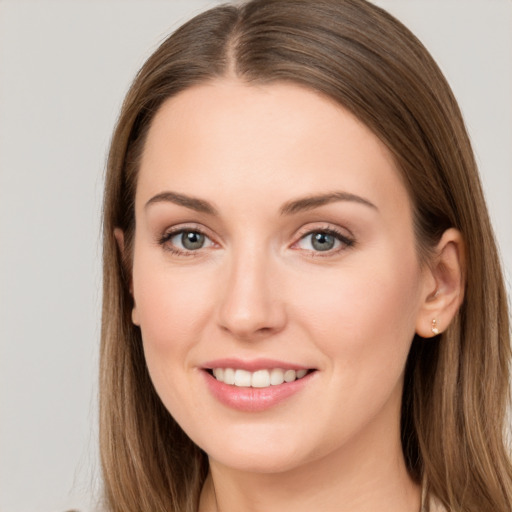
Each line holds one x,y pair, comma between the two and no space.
274,238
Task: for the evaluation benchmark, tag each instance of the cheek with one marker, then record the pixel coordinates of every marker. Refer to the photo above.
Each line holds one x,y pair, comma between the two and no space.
172,308
362,321
366,311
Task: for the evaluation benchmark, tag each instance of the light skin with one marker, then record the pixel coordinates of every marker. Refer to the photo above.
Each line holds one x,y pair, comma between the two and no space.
308,257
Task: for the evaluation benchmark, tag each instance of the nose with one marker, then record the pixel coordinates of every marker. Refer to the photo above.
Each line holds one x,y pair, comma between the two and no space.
252,307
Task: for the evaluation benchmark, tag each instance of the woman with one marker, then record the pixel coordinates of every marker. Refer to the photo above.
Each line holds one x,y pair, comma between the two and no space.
303,303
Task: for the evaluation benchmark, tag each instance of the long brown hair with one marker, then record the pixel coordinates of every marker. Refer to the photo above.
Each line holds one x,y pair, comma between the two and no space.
456,389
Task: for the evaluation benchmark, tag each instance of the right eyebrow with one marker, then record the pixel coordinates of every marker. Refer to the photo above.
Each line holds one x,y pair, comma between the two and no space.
193,203
315,201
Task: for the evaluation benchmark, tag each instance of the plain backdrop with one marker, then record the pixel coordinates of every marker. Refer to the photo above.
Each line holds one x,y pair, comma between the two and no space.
64,68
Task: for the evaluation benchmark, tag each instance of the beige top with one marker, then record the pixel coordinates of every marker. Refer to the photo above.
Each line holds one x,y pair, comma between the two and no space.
433,505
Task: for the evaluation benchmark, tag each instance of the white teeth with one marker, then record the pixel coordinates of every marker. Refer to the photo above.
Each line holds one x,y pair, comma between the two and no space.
257,379
260,379
301,373
242,378
290,375
229,376
276,377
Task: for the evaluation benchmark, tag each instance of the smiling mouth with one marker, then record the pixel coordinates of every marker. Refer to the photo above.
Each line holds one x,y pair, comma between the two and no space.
257,379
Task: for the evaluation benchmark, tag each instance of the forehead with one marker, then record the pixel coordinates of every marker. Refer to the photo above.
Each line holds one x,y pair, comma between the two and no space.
226,140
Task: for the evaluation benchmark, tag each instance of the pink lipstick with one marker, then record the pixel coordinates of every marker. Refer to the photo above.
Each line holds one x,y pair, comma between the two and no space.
256,385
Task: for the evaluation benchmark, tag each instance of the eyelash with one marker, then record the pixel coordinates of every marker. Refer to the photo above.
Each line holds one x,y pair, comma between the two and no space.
345,241
169,235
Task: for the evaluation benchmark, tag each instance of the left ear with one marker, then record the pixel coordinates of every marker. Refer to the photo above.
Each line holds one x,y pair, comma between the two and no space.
444,285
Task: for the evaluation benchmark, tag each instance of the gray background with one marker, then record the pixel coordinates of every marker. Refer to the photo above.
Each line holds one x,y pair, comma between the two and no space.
64,68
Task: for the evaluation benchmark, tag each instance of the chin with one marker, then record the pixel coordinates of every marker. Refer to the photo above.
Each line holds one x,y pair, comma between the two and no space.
259,463
260,454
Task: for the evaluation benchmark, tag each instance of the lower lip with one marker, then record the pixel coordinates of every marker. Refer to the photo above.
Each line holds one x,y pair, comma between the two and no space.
254,399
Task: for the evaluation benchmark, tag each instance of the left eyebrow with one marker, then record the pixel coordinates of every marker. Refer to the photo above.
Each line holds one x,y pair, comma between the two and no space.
315,201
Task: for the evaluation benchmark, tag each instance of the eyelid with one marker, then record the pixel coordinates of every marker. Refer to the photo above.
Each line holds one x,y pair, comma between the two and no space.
343,235
170,232
312,227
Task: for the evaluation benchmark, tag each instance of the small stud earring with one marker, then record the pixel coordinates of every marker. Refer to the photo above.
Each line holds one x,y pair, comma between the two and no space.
435,329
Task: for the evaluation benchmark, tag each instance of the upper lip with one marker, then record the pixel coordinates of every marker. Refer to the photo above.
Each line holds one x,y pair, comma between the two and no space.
253,364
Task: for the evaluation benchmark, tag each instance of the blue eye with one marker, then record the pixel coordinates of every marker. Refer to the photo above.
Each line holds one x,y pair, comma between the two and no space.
190,240
185,240
323,241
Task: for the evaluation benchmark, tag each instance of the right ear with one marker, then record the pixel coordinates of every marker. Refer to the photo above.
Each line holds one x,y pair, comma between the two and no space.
119,236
